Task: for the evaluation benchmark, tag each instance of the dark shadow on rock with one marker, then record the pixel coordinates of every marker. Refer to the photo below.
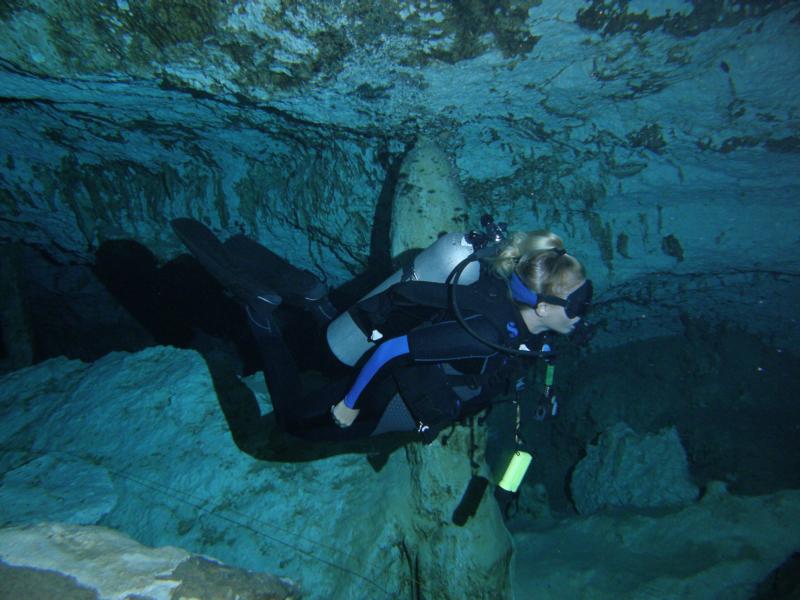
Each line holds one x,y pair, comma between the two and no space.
181,305
69,312
178,303
379,264
783,583
130,272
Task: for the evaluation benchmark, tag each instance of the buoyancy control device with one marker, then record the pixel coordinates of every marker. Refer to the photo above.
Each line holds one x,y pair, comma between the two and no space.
435,264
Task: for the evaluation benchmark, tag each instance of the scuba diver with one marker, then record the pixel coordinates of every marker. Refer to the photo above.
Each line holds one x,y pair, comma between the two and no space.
427,354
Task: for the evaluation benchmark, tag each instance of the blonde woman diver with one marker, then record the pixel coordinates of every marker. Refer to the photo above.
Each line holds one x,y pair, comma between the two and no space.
427,371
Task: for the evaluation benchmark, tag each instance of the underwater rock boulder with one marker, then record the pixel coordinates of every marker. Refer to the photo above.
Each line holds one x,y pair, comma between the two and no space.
193,465
626,470
54,560
482,548
427,202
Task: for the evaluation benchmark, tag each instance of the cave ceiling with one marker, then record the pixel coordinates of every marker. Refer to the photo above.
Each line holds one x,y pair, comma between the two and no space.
660,139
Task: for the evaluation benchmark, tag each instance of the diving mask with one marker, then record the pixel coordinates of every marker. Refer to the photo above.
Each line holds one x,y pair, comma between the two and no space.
575,304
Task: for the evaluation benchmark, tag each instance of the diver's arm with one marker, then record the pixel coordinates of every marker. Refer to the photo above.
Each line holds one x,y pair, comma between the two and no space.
345,412
388,350
441,342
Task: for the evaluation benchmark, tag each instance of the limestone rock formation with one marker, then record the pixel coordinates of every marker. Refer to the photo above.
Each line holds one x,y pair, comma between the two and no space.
659,140
60,488
155,445
428,201
721,547
626,470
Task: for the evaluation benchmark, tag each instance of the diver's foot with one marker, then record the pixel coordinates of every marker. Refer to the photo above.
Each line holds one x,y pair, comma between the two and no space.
259,313
211,254
322,311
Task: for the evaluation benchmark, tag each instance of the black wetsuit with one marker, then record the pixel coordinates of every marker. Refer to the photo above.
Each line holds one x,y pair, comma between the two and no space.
427,373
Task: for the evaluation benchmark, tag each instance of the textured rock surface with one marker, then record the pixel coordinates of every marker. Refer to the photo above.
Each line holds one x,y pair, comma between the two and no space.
626,470
721,547
154,422
479,562
53,560
428,201
61,488
660,141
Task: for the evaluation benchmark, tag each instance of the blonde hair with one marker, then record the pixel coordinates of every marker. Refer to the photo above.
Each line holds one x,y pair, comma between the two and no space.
540,261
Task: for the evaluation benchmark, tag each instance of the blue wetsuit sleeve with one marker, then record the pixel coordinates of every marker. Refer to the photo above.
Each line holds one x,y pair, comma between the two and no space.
387,351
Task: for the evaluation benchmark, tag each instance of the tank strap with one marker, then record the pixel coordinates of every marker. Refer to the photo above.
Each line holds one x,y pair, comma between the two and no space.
409,274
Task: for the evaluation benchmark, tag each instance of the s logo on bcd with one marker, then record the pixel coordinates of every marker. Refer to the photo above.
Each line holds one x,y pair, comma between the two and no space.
511,327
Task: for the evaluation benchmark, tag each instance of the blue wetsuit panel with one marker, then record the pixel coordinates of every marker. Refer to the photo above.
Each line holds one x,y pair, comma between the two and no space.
439,343
387,351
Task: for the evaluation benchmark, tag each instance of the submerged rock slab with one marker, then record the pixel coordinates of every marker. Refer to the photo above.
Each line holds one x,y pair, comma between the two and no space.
155,421
720,547
69,561
627,470
63,488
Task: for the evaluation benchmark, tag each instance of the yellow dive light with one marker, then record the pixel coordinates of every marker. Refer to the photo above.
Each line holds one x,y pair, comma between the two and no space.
515,471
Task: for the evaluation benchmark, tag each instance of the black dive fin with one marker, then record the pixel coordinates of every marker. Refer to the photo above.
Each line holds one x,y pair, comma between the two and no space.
296,286
211,253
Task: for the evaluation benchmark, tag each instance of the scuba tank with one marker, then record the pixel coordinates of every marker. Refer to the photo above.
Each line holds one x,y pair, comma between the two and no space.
434,264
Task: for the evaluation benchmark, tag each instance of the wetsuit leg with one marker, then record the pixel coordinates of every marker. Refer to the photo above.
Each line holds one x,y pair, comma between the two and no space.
309,416
280,370
306,416
315,422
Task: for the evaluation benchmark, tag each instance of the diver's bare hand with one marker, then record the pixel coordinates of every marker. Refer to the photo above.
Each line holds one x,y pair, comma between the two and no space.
343,415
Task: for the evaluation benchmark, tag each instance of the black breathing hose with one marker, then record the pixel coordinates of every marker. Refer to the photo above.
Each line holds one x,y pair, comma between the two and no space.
452,282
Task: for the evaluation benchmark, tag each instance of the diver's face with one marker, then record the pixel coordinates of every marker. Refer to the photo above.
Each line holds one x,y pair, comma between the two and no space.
555,317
